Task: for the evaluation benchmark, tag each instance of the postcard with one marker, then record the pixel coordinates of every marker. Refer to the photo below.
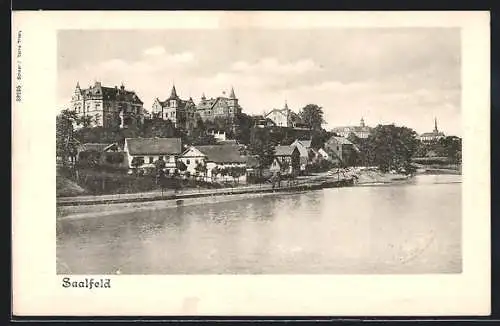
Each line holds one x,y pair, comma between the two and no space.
224,163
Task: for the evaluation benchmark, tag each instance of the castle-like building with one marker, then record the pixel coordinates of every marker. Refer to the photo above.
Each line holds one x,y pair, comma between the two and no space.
184,113
362,131
180,112
108,107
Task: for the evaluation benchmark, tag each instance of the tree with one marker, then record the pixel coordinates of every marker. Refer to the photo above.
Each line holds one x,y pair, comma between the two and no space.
245,123
181,166
137,162
236,172
66,142
392,147
262,146
312,115
200,168
214,172
452,148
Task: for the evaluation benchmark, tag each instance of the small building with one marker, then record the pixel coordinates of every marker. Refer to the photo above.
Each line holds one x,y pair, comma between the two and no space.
341,149
102,154
149,150
218,135
286,159
285,118
304,147
213,158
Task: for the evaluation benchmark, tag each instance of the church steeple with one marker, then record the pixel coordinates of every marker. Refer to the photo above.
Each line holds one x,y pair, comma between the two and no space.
231,95
435,125
78,85
362,123
203,96
286,105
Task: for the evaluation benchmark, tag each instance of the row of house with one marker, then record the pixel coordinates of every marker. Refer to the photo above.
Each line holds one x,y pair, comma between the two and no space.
142,153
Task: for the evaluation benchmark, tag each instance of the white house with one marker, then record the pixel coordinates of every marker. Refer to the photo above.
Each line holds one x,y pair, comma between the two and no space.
213,156
149,150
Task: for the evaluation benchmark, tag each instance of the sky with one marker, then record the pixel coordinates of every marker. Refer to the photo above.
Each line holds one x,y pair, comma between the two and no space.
406,76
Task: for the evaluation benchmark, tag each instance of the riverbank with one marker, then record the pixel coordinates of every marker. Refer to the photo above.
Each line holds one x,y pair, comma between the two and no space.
92,206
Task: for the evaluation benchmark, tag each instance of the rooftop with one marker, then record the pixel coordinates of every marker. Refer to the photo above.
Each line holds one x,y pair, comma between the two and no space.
225,153
153,146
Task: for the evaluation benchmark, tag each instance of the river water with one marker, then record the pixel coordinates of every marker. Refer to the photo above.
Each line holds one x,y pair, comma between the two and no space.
413,227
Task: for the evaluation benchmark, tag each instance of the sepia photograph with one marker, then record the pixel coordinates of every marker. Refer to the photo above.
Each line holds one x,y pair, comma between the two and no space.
329,156
259,151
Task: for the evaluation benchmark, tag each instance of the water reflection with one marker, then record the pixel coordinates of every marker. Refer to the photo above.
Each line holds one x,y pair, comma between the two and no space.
411,228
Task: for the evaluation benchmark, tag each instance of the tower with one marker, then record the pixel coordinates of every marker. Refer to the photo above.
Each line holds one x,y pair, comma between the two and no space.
173,99
435,126
232,102
362,123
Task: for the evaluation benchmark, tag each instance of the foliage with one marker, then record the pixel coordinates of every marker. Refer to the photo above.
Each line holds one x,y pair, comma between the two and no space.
312,115
262,146
114,157
181,166
391,147
137,162
245,123
66,142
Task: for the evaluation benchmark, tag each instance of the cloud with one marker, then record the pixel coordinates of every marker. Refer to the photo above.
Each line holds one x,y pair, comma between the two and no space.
165,63
156,50
271,65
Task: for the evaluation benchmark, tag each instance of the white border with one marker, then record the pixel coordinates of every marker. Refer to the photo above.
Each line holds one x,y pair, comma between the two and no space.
37,288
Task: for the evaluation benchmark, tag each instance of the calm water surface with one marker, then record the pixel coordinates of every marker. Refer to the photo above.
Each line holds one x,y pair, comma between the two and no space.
407,228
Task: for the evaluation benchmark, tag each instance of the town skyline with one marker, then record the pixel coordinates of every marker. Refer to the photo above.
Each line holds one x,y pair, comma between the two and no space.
350,84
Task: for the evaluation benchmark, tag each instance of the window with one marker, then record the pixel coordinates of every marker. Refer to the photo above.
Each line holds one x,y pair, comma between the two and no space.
195,161
338,148
151,159
188,162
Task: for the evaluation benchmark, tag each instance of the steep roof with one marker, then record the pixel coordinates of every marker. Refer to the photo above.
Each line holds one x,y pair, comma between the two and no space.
302,148
111,93
341,140
173,93
225,153
282,150
94,147
153,146
305,143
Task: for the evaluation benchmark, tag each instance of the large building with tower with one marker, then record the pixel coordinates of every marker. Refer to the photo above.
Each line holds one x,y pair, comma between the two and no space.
108,107
185,113
181,112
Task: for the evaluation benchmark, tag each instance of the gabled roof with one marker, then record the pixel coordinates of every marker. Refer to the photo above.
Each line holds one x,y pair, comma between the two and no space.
153,146
281,150
252,161
111,93
225,153
95,147
305,143
206,104
302,149
341,140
